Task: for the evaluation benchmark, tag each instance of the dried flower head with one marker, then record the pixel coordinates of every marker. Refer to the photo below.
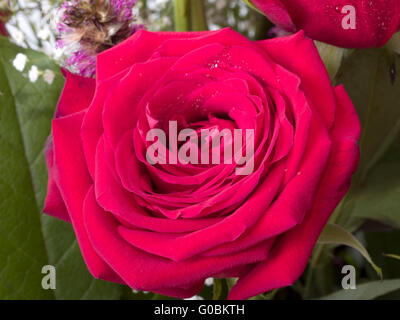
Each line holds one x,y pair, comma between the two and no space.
88,27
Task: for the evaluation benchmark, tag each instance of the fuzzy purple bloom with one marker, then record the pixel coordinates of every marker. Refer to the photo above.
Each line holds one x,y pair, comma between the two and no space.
88,27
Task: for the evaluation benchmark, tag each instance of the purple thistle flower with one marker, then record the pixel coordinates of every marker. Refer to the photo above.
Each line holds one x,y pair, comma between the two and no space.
88,27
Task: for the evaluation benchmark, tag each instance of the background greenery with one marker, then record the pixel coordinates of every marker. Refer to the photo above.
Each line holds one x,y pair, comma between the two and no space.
364,230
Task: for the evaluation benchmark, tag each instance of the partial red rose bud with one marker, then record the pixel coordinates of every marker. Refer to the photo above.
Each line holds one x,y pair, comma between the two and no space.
3,30
5,15
344,23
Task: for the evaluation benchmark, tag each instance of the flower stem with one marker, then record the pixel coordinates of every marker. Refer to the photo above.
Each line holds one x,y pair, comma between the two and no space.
189,15
182,15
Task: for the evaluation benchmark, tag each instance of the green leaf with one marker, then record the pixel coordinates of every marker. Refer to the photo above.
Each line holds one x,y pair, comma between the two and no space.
230,282
394,256
267,296
331,56
366,75
394,43
251,5
217,289
22,252
334,234
380,242
321,275
379,197
29,239
368,78
73,279
366,291
375,91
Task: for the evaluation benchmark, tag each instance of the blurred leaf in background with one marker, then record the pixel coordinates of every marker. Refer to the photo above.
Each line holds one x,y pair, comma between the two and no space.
383,244
372,81
366,291
30,84
22,251
380,196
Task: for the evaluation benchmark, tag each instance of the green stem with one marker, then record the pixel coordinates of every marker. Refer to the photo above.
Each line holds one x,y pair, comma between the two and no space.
182,15
198,15
190,15
319,250
310,273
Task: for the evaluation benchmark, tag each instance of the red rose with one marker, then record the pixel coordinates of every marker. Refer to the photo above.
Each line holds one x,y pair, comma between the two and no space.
3,17
3,30
167,227
344,23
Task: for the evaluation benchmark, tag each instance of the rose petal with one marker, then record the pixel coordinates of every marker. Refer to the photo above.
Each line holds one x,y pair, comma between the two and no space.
290,255
74,182
77,94
308,66
144,271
